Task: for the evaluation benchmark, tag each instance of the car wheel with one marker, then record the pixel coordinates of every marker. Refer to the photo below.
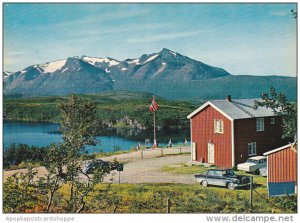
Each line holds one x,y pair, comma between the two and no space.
204,183
231,186
257,172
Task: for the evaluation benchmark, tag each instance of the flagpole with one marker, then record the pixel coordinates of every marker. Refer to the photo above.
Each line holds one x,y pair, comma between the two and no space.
154,141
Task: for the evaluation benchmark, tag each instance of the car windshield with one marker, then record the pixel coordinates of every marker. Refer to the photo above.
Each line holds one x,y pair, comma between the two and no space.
228,173
251,161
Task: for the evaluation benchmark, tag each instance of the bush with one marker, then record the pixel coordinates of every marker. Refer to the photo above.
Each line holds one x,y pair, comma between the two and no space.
21,153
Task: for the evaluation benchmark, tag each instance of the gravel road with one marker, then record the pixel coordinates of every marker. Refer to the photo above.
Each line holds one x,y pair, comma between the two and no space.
146,170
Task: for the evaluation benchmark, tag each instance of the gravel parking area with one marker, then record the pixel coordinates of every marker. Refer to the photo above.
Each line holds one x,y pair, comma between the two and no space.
146,170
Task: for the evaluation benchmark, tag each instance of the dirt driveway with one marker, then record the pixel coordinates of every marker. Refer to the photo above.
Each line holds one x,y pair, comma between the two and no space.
150,171
146,170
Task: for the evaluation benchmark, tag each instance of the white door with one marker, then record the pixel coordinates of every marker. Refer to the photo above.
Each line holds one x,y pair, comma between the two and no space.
210,153
194,157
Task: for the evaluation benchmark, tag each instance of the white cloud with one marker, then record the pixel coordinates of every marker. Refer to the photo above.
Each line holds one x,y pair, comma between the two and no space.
160,37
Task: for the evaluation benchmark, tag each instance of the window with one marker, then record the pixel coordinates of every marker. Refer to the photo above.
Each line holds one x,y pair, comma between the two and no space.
218,173
260,125
218,126
210,173
272,121
263,161
252,148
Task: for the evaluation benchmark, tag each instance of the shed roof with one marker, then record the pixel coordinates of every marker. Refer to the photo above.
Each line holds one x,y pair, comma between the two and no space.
236,109
291,145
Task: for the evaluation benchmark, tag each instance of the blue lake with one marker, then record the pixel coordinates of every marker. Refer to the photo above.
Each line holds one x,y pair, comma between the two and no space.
43,134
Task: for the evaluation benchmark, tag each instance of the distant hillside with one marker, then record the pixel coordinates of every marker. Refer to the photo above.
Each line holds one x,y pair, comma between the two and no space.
115,109
217,88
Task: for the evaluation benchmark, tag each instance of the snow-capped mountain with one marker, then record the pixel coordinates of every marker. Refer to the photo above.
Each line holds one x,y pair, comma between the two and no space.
67,76
168,65
166,73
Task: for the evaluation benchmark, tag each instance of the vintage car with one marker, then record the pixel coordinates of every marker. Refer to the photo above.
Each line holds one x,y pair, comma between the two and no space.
98,164
263,171
222,177
253,164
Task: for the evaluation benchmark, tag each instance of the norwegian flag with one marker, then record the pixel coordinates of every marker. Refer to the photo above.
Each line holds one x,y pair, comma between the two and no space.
153,107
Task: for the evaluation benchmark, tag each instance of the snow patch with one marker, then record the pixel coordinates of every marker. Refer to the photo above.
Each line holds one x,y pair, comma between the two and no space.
133,61
93,60
107,70
53,66
173,53
39,69
160,69
65,69
151,58
124,68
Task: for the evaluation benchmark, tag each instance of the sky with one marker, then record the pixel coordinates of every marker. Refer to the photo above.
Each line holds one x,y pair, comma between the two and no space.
244,39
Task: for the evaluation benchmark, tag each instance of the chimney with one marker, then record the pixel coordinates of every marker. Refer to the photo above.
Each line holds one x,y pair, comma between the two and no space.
228,98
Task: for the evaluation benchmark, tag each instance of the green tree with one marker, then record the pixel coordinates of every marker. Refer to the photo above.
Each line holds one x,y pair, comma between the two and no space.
63,163
19,192
78,125
55,160
282,107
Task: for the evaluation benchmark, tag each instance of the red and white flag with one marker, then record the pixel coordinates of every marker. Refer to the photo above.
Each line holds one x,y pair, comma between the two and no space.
153,107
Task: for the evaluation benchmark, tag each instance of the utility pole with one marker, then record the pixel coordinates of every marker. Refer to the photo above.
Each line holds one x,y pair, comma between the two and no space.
251,192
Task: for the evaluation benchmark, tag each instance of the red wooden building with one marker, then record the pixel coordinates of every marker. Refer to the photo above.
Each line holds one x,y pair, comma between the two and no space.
282,170
226,132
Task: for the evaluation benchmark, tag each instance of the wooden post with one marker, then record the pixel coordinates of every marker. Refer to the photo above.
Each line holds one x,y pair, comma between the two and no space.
251,192
168,205
142,154
161,152
180,150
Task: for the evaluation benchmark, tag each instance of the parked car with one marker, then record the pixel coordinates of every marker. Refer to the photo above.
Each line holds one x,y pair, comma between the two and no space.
253,164
263,171
104,165
222,177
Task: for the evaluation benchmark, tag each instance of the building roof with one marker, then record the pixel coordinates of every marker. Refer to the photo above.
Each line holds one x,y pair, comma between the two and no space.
257,157
281,148
236,109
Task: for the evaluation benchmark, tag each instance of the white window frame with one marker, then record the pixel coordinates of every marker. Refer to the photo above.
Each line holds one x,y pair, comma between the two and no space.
253,148
260,124
272,121
218,126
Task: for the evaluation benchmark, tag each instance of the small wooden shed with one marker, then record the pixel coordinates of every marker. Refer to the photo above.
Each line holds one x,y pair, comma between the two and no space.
282,170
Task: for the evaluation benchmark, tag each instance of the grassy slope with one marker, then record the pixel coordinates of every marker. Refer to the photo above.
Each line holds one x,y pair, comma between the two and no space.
151,198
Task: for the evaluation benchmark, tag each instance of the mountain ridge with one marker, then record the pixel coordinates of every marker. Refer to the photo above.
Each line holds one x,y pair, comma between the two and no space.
171,74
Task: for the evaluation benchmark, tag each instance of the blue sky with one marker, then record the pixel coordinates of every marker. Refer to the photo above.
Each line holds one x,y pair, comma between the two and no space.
254,39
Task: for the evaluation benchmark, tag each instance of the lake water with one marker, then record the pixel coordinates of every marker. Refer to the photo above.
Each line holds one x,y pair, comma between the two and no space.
43,134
